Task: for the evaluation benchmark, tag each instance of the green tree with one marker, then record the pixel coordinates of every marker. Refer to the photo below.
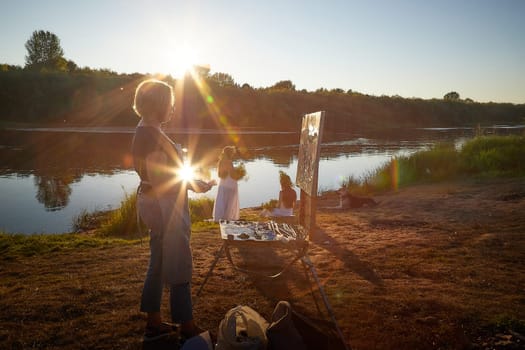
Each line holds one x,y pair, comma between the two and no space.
222,79
44,52
451,96
201,71
72,66
4,67
283,85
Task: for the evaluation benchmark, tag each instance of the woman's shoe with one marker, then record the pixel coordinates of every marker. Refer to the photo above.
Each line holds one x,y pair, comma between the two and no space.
153,333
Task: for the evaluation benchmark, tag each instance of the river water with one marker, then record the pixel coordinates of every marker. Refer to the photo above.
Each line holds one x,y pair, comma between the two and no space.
50,176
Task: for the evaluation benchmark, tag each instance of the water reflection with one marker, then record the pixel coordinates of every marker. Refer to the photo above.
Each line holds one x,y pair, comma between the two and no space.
46,177
53,192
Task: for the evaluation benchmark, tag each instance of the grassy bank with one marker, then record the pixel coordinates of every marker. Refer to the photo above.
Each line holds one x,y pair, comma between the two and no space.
97,230
481,157
21,245
433,266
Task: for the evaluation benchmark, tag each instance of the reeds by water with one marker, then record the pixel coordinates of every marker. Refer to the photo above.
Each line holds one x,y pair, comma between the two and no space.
483,156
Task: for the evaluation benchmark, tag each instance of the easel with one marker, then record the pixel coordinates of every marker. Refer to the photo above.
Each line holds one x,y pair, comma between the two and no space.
306,179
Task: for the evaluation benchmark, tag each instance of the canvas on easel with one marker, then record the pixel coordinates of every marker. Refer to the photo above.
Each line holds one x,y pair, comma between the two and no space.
308,167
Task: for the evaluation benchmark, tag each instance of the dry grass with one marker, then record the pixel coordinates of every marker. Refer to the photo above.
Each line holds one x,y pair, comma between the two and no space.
431,267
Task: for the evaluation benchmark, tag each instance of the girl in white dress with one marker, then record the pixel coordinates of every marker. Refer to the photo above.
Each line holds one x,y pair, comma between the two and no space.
226,205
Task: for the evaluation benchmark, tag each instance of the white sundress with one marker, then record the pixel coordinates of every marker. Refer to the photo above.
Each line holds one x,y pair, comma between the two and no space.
226,205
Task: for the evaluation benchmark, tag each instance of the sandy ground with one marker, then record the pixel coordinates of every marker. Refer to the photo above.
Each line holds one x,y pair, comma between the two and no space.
436,266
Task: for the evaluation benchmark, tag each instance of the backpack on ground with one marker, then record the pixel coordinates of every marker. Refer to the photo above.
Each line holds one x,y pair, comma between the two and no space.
242,328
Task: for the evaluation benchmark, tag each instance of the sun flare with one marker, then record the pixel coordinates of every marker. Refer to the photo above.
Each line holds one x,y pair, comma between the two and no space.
187,172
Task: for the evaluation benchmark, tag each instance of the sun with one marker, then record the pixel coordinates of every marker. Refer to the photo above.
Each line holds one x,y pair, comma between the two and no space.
181,60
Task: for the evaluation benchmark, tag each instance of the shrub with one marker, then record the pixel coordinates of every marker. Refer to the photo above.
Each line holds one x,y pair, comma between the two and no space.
123,221
494,154
201,209
437,164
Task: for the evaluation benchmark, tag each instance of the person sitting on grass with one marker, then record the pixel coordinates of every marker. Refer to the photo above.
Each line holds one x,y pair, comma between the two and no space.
287,198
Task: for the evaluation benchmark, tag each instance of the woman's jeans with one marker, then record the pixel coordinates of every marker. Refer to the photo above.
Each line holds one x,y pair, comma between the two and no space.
180,294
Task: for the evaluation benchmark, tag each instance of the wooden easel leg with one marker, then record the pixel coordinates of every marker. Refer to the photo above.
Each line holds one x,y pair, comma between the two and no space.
218,255
307,273
307,262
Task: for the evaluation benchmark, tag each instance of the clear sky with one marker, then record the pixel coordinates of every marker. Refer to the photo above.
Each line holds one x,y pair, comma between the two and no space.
411,48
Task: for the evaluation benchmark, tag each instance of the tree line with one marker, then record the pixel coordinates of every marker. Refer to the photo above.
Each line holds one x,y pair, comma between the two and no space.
51,89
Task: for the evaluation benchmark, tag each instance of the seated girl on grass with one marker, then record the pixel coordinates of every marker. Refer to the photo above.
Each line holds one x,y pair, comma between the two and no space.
287,198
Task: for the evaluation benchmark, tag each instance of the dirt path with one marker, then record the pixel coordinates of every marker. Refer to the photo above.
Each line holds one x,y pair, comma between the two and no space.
431,267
